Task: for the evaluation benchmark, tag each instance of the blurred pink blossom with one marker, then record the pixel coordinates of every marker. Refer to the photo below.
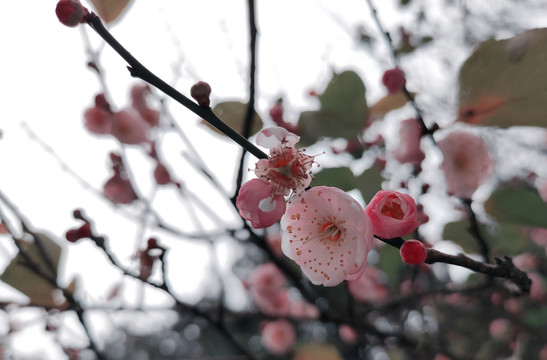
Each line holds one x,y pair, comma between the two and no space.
369,288
499,328
392,214
278,336
129,127
539,236
327,233
408,148
348,334
266,279
139,95
467,163
274,242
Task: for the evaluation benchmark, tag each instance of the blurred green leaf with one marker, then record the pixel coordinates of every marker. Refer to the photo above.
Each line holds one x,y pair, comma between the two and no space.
457,232
537,318
388,103
340,177
343,110
505,239
27,281
517,206
390,262
233,114
504,83
370,182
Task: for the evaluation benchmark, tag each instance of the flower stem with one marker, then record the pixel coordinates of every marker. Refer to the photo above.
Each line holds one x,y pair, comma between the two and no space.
136,69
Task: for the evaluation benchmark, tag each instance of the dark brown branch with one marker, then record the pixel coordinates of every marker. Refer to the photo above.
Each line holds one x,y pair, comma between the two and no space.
504,268
476,233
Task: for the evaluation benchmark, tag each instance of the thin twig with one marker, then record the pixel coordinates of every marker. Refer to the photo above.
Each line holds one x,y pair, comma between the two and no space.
138,70
249,115
393,54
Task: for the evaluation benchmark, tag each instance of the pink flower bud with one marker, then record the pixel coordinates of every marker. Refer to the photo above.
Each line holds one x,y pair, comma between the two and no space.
258,204
413,252
70,12
394,80
200,92
393,214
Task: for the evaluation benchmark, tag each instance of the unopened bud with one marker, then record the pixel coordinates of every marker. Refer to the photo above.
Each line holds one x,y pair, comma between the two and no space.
200,92
70,12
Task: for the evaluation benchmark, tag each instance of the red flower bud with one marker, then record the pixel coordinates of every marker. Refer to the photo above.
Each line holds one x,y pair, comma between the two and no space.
394,80
83,231
70,12
413,252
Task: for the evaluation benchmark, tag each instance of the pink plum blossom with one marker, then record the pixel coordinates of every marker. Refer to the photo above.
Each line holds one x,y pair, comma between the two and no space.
467,163
257,203
392,214
327,233
408,148
287,168
278,336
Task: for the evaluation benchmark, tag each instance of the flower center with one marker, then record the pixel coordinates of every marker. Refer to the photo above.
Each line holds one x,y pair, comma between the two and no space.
330,231
392,208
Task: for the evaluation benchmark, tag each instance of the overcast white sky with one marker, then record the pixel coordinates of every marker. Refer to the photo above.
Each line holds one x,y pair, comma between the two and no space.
46,85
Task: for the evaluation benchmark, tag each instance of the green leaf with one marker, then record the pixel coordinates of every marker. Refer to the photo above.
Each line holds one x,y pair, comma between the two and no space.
343,110
340,177
370,182
27,281
504,83
517,206
233,114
